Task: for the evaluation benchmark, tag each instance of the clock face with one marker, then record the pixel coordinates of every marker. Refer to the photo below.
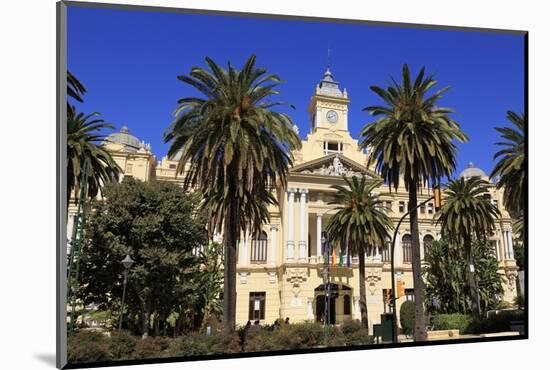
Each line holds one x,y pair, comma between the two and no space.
332,116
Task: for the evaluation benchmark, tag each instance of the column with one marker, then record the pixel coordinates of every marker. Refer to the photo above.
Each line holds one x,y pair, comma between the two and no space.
511,244
497,247
244,254
290,228
397,255
310,308
302,241
377,254
319,231
506,246
70,226
272,255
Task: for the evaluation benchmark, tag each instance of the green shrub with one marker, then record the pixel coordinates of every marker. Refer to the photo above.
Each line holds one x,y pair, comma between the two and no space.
465,324
499,322
122,345
197,344
88,346
406,317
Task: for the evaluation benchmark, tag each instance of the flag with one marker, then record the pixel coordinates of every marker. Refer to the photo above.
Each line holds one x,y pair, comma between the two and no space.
333,256
340,258
349,259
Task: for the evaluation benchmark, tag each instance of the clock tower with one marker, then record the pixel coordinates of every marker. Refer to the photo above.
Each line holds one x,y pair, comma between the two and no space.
328,108
329,133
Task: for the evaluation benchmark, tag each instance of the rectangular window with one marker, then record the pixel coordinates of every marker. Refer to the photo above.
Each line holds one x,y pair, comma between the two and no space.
172,166
495,202
259,249
129,168
401,207
386,252
407,249
256,307
430,208
332,147
388,206
423,208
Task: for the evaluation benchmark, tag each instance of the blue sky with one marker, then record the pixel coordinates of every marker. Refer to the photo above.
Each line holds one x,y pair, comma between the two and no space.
129,59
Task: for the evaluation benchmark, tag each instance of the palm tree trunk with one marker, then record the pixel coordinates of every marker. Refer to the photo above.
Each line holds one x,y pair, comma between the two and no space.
362,291
420,333
472,284
230,272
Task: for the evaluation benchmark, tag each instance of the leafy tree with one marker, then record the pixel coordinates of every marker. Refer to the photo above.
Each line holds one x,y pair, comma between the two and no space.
510,167
83,142
467,213
234,146
445,267
360,222
211,282
412,141
158,226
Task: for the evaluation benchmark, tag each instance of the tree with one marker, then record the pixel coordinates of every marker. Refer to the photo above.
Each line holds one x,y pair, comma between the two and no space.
445,267
83,142
75,88
510,168
159,227
360,222
413,141
468,213
233,148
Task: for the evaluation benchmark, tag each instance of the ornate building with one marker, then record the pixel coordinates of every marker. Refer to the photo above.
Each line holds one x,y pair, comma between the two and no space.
280,271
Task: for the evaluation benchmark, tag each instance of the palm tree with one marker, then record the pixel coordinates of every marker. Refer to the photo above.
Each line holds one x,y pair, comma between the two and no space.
359,223
83,142
468,213
412,141
75,88
510,168
233,148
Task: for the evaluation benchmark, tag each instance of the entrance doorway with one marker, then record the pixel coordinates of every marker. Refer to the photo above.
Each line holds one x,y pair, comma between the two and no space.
324,307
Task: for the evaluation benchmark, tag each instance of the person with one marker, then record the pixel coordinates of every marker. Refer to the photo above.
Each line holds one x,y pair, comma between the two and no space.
276,324
256,327
287,321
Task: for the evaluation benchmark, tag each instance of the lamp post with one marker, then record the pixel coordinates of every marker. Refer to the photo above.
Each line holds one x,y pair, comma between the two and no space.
127,262
393,299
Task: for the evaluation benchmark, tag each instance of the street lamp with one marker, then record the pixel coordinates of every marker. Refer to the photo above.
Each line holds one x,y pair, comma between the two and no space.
127,262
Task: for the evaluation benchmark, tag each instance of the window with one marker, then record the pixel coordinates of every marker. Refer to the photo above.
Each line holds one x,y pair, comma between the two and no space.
407,248
423,208
386,252
409,294
347,305
259,249
388,205
427,241
332,147
430,208
172,166
256,306
129,168
401,207
495,202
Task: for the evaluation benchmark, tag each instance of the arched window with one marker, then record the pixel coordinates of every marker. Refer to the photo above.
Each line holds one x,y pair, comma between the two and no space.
407,248
347,305
427,241
259,249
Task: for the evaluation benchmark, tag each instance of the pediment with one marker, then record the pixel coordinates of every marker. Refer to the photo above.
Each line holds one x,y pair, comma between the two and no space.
334,164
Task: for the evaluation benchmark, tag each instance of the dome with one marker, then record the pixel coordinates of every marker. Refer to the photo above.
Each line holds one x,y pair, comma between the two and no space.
472,171
124,137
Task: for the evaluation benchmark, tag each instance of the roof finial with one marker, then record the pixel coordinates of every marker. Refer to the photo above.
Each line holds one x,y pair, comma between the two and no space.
328,58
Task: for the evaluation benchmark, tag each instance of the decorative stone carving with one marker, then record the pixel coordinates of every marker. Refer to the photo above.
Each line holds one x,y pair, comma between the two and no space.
244,277
337,168
272,277
296,277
